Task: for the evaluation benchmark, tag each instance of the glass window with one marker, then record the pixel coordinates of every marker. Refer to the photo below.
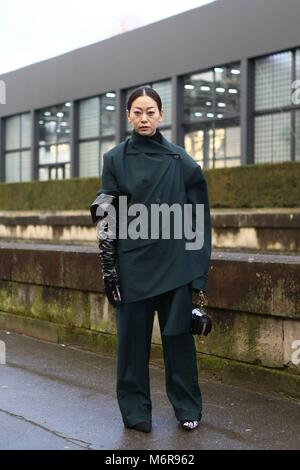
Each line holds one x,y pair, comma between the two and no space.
215,146
167,133
12,133
297,135
25,165
276,114
211,116
212,94
198,96
54,124
273,78
25,130
67,170
263,138
54,172
164,89
89,159
43,174
273,138
47,154
233,141
97,129
297,63
89,118
63,153
12,167
227,90
108,114
105,146
18,158
47,132
194,144
18,166
54,141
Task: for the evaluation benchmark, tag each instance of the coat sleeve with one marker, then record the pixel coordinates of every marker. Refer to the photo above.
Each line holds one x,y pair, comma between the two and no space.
197,193
109,184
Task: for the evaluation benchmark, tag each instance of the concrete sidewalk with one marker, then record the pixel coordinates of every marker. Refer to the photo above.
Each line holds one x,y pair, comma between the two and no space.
56,397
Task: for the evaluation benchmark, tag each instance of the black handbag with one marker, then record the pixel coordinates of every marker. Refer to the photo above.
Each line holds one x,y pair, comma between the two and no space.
201,321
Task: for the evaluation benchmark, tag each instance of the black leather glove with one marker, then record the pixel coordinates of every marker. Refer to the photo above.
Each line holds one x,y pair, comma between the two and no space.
107,254
106,234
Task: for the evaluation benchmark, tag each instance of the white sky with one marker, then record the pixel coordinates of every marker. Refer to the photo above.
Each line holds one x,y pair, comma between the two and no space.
34,30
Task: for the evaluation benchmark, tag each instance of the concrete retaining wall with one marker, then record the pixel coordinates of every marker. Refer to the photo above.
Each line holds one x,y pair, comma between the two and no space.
257,229
54,292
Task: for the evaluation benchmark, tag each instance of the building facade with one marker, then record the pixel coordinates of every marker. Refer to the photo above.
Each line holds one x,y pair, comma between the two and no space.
228,74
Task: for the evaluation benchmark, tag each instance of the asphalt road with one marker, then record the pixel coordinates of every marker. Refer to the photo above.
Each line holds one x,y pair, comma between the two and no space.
57,397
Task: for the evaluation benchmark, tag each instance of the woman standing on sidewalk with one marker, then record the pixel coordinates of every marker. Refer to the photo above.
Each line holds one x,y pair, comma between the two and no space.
145,275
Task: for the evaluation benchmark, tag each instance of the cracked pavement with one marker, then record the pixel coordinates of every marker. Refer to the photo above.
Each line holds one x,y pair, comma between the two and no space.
57,397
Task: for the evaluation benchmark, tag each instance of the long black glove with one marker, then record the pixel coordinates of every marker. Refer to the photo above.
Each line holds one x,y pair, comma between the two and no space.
106,234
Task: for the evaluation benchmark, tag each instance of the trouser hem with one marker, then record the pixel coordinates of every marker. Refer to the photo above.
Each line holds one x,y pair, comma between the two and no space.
189,417
136,420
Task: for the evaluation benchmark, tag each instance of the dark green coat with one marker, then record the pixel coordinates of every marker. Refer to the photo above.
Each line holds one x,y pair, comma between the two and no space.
148,172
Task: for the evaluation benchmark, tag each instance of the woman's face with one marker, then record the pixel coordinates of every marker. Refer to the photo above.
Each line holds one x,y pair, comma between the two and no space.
144,115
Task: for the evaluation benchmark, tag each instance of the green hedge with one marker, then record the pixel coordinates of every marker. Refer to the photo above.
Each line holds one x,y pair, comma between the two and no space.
69,194
263,185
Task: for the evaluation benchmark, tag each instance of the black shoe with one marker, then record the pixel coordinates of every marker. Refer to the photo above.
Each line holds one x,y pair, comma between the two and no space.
189,425
144,426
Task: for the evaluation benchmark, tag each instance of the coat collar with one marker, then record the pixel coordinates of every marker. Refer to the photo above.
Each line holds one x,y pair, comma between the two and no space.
141,144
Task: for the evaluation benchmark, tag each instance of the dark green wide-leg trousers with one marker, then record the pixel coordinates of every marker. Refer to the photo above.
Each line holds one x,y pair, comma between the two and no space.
134,327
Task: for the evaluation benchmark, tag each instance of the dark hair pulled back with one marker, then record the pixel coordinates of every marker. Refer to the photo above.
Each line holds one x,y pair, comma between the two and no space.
144,91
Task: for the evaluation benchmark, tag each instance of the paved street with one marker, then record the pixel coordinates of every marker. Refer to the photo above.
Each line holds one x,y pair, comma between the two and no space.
56,397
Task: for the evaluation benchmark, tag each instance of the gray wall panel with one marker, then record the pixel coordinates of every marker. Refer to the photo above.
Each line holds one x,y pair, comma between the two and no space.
220,32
